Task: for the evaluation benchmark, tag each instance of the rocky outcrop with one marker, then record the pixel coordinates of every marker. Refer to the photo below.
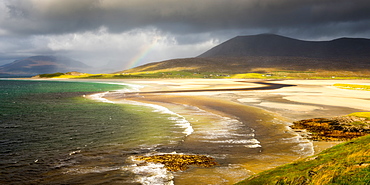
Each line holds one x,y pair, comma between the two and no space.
340,128
176,162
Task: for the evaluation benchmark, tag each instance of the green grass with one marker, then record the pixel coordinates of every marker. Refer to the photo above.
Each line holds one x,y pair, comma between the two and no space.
353,87
190,73
251,75
346,163
361,115
166,74
51,75
297,75
293,71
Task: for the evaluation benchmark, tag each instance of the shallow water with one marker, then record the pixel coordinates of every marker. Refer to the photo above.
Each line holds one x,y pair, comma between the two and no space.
240,150
55,135
49,133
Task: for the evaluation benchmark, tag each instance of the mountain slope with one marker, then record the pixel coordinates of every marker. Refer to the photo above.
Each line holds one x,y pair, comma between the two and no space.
42,64
267,53
275,45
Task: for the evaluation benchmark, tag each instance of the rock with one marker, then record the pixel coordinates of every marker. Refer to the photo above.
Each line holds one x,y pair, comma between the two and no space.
339,128
176,162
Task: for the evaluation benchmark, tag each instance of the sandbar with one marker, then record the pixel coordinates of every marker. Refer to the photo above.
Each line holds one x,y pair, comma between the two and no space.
293,99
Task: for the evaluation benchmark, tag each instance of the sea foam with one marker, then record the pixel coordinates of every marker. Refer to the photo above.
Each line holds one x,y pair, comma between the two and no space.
148,173
225,131
180,120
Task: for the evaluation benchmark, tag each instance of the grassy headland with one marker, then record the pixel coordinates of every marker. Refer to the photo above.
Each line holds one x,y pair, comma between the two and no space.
346,163
214,75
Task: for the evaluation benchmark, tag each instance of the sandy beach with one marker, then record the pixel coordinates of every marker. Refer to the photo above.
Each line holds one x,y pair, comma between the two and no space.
292,99
279,103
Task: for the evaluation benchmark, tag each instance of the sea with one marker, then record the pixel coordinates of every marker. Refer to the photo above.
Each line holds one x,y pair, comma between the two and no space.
66,132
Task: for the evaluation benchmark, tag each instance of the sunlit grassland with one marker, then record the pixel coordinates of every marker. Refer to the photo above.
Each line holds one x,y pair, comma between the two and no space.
361,115
258,73
272,73
365,115
353,87
302,75
149,74
346,163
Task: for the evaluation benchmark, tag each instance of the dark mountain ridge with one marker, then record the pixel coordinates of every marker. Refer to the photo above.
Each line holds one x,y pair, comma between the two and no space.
267,53
42,64
274,45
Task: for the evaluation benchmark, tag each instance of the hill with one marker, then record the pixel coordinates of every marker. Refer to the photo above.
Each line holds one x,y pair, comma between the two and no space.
274,45
42,64
254,64
268,53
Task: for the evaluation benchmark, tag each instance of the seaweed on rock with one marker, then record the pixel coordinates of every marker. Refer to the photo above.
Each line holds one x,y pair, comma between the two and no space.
340,128
177,162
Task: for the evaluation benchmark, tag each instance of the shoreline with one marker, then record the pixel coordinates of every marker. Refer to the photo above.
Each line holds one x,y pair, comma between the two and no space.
246,159
298,99
283,100
231,98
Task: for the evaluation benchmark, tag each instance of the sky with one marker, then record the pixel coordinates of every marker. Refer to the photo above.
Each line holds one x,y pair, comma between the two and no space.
126,33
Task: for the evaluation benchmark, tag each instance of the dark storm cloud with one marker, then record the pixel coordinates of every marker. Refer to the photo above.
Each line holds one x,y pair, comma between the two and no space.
119,31
190,16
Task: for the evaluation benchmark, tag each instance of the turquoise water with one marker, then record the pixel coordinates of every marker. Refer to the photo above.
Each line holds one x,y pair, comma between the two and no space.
51,134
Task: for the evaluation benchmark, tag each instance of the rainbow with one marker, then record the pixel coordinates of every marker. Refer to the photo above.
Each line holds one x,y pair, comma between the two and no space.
144,51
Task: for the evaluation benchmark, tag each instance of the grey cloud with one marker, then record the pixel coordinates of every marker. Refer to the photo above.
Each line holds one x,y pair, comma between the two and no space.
181,17
73,27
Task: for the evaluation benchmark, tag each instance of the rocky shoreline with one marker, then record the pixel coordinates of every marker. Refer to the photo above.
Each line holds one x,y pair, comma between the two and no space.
341,128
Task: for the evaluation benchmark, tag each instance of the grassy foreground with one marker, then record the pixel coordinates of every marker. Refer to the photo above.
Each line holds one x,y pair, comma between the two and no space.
346,163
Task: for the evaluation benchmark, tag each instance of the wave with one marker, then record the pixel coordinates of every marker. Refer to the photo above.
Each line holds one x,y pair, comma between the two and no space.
303,145
147,173
180,120
225,131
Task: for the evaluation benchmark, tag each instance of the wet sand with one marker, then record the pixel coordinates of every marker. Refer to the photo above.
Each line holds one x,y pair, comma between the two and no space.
292,99
278,103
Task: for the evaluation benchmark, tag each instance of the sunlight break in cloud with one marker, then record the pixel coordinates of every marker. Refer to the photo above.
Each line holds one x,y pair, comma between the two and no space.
125,50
